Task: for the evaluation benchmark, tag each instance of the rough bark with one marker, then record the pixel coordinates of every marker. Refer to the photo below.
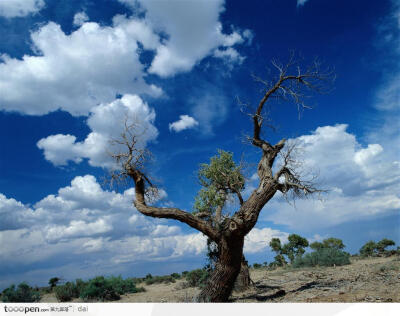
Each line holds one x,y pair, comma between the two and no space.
221,282
243,280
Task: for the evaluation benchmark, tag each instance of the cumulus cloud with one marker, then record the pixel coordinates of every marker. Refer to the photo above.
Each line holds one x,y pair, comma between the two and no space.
77,71
20,8
194,32
80,18
86,225
258,239
184,122
107,122
363,182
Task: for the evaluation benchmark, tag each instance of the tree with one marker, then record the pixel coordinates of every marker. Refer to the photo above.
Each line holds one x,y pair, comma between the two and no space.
53,282
295,247
383,244
219,179
331,242
334,243
316,245
293,84
368,249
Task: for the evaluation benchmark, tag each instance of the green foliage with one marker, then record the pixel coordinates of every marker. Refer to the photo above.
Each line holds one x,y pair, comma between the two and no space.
222,173
383,244
197,277
368,249
67,292
335,243
21,294
293,249
280,261
107,289
53,282
160,279
257,266
323,257
275,244
176,275
316,245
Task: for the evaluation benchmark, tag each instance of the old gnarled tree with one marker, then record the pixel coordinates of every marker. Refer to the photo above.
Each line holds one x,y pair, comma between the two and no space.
293,84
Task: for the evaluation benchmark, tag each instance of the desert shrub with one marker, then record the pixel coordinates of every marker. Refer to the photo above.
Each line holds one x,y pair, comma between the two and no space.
160,279
197,277
21,294
257,266
66,292
99,289
176,275
323,257
53,282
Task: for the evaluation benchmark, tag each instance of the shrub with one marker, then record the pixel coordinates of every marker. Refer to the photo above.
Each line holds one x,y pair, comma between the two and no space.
176,275
197,277
53,282
99,289
22,294
323,257
67,292
161,279
257,266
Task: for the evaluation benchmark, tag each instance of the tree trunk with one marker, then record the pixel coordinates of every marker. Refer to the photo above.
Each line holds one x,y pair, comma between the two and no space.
222,280
243,279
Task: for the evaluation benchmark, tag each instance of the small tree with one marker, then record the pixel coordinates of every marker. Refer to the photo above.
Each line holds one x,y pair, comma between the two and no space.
368,249
295,247
334,243
383,244
292,83
220,179
53,282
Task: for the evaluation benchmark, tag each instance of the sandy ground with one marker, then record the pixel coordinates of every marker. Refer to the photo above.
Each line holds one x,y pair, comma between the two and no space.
368,280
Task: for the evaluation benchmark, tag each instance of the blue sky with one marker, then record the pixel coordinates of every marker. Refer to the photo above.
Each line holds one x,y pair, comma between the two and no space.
71,70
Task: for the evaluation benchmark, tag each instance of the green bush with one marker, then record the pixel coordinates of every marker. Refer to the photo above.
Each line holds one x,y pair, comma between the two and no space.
99,289
197,277
257,266
66,292
176,275
107,289
160,279
21,294
323,257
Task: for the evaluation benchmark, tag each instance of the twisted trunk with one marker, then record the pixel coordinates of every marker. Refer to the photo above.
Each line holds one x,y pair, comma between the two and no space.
221,282
243,279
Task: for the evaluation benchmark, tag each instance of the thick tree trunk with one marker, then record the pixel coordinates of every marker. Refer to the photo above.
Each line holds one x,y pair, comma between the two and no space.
222,280
243,279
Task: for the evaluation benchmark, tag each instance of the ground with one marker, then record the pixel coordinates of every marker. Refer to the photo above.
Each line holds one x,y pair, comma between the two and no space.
366,280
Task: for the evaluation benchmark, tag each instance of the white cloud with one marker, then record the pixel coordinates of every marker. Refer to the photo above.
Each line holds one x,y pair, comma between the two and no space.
77,71
80,18
107,122
258,239
301,2
184,122
20,8
193,32
363,182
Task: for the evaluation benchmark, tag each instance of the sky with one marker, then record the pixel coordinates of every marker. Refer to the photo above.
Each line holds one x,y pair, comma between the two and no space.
71,71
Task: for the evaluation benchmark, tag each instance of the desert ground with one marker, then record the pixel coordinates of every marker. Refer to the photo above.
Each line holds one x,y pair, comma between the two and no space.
365,280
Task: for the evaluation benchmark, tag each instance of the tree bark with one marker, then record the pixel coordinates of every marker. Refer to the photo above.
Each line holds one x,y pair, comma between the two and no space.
243,279
221,282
